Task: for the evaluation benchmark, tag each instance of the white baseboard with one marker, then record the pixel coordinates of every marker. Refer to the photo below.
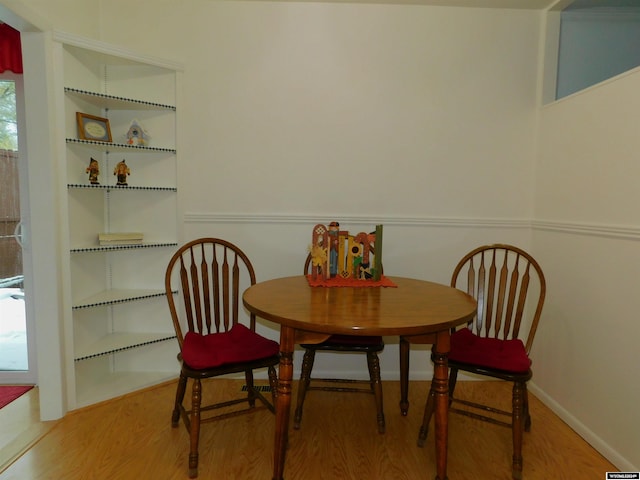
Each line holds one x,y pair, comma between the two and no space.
589,436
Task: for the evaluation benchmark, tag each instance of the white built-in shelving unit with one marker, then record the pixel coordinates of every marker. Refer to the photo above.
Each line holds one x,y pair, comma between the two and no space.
118,333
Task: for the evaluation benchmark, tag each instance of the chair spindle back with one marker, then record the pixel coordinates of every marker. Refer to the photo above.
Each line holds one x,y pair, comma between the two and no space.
501,278
211,273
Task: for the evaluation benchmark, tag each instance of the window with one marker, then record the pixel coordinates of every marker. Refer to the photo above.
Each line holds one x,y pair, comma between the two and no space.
8,120
598,39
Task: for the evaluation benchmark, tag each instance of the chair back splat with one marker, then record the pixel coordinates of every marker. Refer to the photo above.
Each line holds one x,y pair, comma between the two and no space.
204,282
509,287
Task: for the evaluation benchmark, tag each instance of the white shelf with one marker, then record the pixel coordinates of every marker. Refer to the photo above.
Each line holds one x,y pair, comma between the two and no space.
111,248
116,147
117,342
112,297
121,187
112,102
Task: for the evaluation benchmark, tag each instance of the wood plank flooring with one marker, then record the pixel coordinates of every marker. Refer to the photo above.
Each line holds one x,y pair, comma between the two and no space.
131,438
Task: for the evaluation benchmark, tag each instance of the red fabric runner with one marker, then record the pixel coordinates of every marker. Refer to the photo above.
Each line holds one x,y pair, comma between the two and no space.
350,282
8,393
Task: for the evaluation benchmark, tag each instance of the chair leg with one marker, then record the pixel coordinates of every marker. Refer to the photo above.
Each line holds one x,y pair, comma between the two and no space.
194,428
273,382
373,362
426,419
517,424
305,377
453,378
251,396
527,415
404,376
180,391
430,406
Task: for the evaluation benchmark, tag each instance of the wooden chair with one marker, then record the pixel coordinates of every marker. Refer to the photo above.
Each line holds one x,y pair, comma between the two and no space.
369,345
215,339
510,289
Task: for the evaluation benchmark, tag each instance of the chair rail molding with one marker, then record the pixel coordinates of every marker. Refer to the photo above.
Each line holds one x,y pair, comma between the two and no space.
626,232
398,220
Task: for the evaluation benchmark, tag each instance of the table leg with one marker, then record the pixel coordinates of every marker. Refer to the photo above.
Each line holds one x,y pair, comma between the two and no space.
441,389
404,376
283,400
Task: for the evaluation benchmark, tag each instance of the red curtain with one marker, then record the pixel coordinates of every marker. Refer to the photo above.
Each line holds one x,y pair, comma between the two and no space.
10,49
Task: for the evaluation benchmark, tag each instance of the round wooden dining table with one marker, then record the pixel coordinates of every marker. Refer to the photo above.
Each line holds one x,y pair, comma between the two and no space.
310,314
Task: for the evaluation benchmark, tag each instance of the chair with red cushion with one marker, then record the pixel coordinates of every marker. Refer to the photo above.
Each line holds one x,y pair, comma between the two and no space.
510,289
204,282
369,345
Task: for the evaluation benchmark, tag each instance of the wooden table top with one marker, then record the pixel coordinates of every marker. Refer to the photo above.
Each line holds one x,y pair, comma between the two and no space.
414,307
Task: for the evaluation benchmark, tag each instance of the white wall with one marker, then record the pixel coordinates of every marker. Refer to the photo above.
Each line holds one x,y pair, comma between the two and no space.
80,16
343,109
420,118
297,112
587,238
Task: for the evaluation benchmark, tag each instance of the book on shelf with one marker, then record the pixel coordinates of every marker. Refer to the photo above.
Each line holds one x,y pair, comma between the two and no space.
124,238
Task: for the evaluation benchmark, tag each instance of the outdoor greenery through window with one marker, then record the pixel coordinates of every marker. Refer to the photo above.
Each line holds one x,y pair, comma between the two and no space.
8,120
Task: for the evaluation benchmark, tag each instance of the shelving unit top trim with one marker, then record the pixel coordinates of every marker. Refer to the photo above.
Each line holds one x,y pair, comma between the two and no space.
111,101
124,55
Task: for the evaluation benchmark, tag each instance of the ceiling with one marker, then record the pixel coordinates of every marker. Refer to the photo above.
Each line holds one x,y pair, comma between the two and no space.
517,4
557,5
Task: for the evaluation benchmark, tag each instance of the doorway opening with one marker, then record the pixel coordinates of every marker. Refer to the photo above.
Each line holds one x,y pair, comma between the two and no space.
13,332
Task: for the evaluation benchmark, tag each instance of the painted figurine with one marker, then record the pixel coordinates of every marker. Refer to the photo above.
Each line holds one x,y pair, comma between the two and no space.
93,170
122,171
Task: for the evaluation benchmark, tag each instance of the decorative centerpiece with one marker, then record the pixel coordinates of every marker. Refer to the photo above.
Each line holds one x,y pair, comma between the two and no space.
341,259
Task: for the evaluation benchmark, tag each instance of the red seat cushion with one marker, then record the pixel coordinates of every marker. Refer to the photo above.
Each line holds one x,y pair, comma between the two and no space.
506,355
239,344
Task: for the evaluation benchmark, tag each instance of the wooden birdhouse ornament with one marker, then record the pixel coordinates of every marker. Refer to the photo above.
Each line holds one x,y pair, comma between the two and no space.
137,135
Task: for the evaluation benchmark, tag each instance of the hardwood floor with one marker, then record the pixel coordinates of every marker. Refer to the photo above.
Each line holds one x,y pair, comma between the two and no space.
132,438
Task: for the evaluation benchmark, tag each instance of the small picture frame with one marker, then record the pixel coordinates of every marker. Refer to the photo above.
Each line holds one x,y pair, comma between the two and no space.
94,128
